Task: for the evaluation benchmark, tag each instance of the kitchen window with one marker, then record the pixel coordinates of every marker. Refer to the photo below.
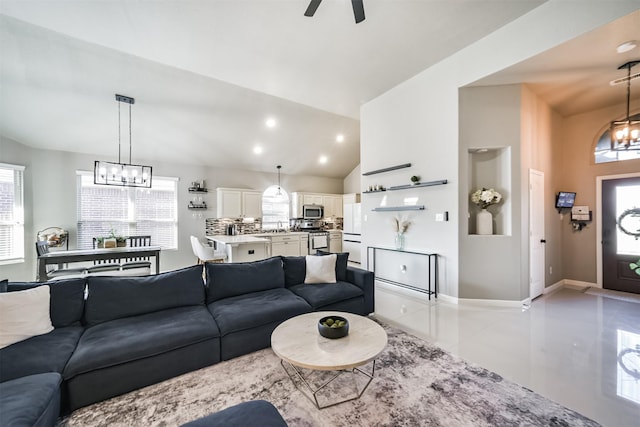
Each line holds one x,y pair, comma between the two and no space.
128,211
11,214
275,208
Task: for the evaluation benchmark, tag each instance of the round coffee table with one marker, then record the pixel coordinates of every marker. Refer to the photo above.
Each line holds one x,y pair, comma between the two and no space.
299,345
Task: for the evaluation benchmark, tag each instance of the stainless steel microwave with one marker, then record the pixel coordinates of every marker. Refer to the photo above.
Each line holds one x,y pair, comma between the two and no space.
312,211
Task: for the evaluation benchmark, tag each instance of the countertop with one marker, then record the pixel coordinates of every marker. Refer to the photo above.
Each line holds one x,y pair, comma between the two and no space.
239,239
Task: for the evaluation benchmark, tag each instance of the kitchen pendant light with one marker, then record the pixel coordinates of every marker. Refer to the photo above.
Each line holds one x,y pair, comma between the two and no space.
279,196
122,174
625,134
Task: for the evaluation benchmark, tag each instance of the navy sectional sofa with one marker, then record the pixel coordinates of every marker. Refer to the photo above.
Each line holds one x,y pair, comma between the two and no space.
113,335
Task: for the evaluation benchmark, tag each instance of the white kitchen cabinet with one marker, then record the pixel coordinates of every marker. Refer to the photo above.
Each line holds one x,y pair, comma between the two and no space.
287,245
312,199
238,203
335,241
332,205
304,245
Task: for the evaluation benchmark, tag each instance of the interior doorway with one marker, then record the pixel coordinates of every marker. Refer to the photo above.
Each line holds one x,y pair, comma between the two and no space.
536,234
620,207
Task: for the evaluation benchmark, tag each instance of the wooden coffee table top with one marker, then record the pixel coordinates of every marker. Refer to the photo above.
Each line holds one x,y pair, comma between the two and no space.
298,342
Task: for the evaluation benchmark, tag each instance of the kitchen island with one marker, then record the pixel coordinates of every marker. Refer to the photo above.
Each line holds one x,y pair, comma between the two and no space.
242,248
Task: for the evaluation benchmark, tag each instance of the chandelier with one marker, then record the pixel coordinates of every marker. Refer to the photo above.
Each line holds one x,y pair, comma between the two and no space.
279,196
122,174
625,134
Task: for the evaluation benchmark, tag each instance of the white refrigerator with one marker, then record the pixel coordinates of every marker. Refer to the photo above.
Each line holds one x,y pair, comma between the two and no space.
351,239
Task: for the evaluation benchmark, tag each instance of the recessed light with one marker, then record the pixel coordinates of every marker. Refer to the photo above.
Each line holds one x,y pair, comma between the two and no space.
257,149
340,138
323,159
271,123
627,46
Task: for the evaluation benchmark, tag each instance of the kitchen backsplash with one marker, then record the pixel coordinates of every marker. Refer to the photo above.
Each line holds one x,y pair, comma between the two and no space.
219,226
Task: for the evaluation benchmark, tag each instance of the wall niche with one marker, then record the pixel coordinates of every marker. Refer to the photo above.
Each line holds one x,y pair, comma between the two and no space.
491,168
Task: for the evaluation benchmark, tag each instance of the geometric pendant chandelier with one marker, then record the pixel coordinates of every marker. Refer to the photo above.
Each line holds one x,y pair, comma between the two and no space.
625,134
122,174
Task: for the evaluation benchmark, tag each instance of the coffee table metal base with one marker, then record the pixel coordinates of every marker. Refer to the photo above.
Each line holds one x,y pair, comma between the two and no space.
312,392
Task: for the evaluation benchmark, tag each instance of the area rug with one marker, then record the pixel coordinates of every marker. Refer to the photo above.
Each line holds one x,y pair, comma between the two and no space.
415,384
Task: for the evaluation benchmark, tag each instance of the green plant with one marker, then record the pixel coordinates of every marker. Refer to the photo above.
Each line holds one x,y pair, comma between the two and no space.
635,266
415,179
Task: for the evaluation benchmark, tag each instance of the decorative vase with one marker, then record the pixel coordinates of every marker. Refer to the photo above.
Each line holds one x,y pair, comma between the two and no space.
484,222
399,241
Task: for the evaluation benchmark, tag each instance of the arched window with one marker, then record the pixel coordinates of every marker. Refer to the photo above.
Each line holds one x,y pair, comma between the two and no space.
275,208
603,153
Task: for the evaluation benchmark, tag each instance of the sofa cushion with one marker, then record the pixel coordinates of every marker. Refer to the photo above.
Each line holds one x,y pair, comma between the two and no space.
35,355
113,298
226,280
253,413
255,309
320,269
123,340
321,294
32,401
295,269
341,263
67,299
25,314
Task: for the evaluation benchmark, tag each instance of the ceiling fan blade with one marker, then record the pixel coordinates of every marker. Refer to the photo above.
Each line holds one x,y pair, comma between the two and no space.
358,10
313,6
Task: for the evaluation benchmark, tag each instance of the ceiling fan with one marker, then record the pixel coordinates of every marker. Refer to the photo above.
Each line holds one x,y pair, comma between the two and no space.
358,9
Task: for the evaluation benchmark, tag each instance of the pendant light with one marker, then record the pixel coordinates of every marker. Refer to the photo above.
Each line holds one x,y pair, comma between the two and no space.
625,134
279,196
122,174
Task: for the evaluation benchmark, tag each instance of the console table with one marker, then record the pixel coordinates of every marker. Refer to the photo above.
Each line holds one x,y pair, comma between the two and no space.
417,271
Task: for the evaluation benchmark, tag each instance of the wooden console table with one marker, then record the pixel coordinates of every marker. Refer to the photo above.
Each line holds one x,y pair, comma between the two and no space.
82,255
405,268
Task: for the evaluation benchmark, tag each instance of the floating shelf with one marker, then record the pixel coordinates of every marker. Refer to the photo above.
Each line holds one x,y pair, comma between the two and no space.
422,184
376,191
198,190
398,208
389,169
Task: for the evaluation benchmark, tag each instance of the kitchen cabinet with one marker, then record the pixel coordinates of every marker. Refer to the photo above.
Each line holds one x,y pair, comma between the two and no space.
332,203
285,245
238,203
304,244
335,241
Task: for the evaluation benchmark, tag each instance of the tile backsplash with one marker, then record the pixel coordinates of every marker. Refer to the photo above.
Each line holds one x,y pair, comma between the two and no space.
219,226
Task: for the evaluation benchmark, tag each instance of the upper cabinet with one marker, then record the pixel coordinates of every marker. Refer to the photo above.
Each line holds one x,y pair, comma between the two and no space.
238,203
332,203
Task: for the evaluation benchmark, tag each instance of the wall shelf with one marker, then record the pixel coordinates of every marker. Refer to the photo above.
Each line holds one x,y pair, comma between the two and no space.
198,190
422,184
389,169
398,208
375,191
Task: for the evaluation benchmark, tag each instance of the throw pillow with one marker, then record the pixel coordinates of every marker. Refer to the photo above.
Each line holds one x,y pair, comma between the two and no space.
320,269
24,314
341,264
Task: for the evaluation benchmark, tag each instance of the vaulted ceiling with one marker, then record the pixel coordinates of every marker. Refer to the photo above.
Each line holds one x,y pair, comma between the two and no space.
206,74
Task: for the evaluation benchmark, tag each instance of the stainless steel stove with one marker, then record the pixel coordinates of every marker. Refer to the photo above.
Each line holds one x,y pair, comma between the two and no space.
318,240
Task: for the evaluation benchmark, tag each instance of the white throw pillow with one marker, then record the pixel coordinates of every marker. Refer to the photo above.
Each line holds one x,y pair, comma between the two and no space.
24,314
321,269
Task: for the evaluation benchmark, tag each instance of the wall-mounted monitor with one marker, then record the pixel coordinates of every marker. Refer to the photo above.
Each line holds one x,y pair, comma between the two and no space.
565,199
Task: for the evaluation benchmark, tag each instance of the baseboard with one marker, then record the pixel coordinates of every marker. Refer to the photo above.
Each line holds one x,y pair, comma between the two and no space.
579,285
494,302
448,298
553,288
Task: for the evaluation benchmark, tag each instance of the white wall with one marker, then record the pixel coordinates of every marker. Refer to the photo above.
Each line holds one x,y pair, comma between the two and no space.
417,122
50,197
352,182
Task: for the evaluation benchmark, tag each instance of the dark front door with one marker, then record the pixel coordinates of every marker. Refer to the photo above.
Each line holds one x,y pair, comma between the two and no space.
621,234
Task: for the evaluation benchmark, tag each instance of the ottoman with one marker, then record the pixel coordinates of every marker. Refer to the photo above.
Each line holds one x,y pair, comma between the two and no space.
254,413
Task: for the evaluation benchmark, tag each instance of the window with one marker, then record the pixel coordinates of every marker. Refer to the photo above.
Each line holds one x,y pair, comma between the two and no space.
275,208
128,211
11,214
603,153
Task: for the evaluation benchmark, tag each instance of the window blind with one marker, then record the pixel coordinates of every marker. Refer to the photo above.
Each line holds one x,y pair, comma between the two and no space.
11,213
128,211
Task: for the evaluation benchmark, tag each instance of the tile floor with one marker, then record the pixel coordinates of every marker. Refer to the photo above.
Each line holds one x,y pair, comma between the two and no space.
565,346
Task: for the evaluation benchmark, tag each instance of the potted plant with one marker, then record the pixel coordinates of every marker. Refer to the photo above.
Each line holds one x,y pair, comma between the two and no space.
111,241
415,180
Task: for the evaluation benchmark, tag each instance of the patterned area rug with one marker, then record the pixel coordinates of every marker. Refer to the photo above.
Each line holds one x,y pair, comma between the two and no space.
415,384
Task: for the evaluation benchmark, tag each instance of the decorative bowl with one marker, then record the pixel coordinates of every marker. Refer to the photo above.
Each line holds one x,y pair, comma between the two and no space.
327,330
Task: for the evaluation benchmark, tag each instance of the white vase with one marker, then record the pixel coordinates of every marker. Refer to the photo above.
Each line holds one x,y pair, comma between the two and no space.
484,222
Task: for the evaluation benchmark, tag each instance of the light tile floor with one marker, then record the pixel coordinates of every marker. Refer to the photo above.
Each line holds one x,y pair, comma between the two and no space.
565,346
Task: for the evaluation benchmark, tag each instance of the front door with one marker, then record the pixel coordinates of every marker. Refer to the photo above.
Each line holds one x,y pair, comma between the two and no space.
621,234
